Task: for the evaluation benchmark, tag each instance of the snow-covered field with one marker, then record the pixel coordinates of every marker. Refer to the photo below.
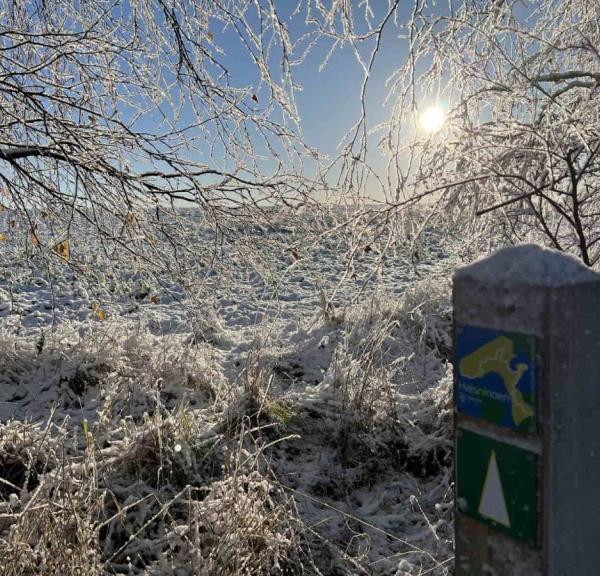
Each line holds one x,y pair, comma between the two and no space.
281,414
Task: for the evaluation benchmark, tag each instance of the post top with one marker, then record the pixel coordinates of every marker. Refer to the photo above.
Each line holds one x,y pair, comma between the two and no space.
529,265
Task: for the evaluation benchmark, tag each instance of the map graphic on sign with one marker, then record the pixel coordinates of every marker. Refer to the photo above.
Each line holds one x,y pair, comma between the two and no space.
498,484
496,377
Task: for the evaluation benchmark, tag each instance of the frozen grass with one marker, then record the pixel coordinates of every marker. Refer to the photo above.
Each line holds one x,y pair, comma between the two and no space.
150,484
186,436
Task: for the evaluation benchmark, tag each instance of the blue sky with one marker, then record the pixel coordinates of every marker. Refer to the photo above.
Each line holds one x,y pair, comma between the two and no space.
329,101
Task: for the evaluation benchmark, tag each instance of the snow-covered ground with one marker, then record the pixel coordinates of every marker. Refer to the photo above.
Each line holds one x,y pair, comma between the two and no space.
279,414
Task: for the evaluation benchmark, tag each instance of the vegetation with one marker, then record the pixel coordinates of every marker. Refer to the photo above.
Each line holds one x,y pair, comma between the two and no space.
222,351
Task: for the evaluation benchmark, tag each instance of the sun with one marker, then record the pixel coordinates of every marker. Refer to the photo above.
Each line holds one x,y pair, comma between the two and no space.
432,119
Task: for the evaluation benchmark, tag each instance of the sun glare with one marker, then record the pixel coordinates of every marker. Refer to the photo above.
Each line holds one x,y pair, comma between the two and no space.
432,119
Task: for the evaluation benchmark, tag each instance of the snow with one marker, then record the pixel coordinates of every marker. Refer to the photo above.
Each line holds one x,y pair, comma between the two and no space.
330,403
530,265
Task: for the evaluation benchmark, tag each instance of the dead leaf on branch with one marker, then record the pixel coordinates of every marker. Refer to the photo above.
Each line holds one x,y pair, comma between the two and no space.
63,250
98,312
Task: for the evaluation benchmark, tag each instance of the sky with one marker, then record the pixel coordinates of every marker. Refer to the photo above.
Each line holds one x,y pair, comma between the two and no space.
329,102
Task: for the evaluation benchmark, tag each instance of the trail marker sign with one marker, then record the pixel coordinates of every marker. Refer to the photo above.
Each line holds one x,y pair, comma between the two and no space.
497,484
496,375
527,415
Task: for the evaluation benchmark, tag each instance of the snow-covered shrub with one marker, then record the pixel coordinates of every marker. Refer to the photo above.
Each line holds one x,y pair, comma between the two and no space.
244,527
123,365
389,349
50,519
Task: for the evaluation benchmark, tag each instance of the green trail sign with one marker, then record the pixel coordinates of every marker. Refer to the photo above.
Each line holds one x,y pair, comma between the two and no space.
496,377
497,484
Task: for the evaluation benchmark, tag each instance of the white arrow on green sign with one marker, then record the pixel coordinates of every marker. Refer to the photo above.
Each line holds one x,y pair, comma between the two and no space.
497,484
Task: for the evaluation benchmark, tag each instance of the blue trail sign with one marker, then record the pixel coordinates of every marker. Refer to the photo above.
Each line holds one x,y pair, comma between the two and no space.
496,375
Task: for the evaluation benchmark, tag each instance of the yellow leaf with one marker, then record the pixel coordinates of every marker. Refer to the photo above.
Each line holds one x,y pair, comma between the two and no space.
2,237
63,249
2,208
98,312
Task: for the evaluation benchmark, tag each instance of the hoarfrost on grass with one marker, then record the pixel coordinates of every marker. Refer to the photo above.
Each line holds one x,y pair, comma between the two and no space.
250,425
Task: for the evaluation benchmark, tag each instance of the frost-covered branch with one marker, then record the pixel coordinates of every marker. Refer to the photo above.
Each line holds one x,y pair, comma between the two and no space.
111,112
520,90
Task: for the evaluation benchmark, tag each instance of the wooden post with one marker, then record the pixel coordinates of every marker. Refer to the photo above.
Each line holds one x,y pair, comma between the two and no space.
527,407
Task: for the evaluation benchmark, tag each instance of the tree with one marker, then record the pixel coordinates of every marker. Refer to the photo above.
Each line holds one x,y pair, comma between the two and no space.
114,112
519,153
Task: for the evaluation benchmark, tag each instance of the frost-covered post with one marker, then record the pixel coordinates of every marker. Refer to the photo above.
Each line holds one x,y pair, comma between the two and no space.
527,405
